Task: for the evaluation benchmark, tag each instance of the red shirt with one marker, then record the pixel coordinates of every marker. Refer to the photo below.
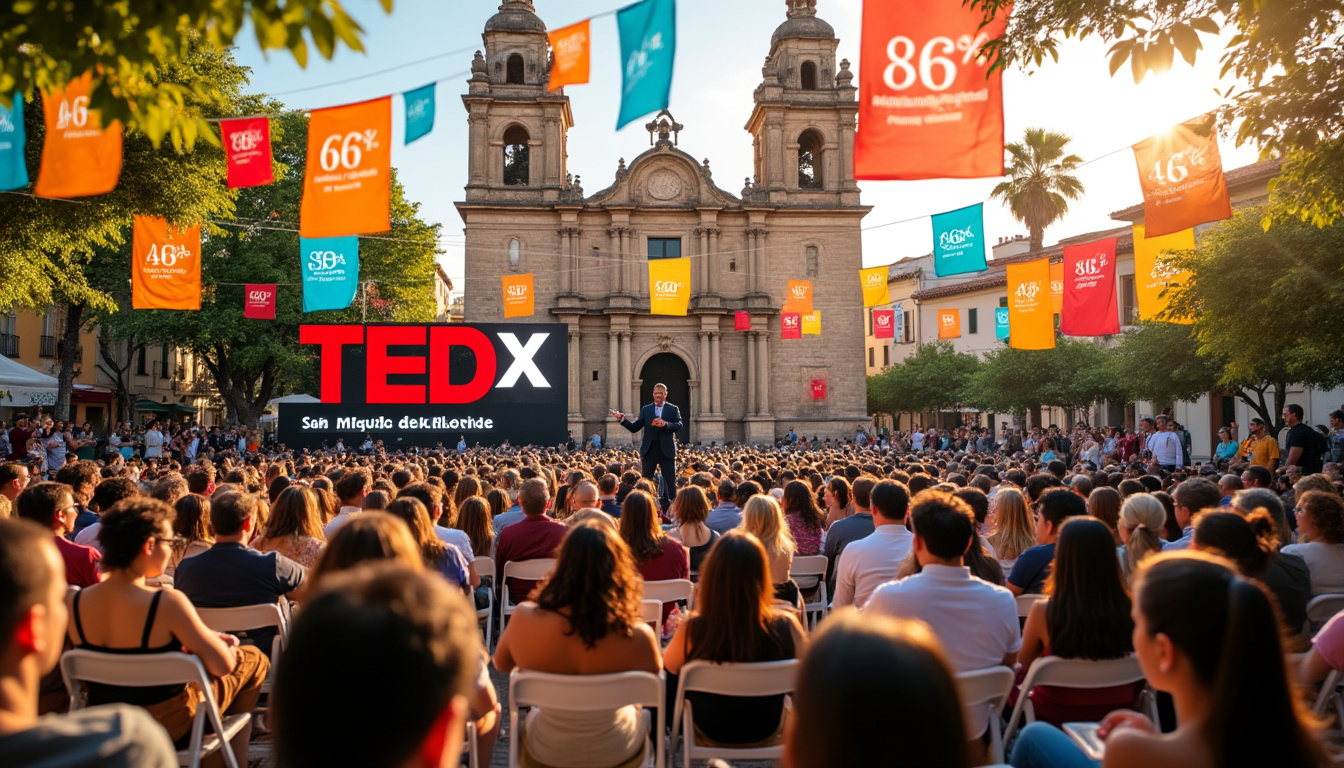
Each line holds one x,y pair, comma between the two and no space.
531,538
673,563
81,563
18,444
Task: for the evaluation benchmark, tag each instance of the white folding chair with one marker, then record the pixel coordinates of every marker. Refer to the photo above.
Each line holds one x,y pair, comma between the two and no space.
990,686
485,568
769,678
589,693
80,666
1025,602
813,565
670,591
469,746
1321,609
651,612
1076,673
250,617
532,570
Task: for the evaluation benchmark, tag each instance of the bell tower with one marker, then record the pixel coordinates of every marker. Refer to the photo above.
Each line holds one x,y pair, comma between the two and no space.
517,129
803,120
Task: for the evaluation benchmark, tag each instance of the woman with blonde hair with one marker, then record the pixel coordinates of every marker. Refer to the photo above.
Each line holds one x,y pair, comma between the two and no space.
1014,531
294,529
1141,522
763,518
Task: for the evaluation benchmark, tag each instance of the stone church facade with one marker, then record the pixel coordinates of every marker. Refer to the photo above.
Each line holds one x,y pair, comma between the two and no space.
798,218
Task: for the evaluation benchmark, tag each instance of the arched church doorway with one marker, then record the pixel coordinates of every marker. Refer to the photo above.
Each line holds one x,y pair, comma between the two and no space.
667,368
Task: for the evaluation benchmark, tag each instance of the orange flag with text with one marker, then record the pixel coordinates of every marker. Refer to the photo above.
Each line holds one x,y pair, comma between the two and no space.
347,183
798,297
1182,178
165,265
1154,274
1057,287
949,324
1031,323
79,156
570,48
519,300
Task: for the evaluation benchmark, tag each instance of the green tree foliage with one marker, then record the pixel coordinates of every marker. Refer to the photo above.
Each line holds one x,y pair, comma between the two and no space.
1040,181
1074,375
129,46
1161,363
932,379
1287,57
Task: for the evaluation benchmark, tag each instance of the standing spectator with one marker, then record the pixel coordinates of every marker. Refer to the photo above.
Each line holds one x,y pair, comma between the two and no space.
1335,440
52,506
153,441
1259,448
1226,451
1033,566
869,562
1305,445
18,438
537,536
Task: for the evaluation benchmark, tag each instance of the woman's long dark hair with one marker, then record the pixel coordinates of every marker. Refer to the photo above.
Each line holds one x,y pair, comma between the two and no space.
735,619
594,584
840,490
412,512
639,527
1228,627
1248,541
1088,614
799,500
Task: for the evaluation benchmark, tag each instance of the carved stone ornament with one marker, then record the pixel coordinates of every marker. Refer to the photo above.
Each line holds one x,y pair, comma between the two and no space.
665,343
664,185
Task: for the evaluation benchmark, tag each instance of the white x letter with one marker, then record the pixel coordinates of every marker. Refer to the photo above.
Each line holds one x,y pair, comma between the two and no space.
522,360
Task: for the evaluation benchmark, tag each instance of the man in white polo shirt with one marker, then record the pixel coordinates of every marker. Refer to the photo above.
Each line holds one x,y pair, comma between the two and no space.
351,488
975,621
874,560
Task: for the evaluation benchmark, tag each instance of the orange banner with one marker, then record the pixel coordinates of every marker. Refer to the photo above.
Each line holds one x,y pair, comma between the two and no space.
1031,324
570,47
165,265
1182,178
1057,287
874,282
949,324
347,184
79,156
798,297
519,300
1153,274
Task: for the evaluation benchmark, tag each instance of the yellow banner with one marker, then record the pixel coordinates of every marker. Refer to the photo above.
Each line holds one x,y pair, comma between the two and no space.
519,300
798,297
669,286
1057,287
1153,274
1031,323
812,323
949,324
874,282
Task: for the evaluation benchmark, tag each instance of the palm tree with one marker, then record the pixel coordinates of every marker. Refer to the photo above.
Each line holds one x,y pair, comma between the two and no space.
1040,183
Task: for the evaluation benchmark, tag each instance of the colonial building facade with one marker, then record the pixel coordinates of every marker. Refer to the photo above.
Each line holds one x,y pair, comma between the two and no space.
799,217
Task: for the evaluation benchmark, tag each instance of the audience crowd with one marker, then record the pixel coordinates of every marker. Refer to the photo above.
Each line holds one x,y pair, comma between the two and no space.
1202,572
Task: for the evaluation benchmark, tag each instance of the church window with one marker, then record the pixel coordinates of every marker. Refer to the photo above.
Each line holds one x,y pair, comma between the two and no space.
515,249
813,261
809,160
809,76
516,157
513,74
664,248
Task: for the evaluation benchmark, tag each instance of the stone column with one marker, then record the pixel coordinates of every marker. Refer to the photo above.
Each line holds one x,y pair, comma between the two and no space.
751,373
706,374
712,262
575,411
846,165
613,257
566,260
626,374
701,262
763,373
613,370
752,235
715,375
479,144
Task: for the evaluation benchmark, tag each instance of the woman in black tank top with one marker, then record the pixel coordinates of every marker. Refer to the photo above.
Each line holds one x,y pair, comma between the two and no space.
123,616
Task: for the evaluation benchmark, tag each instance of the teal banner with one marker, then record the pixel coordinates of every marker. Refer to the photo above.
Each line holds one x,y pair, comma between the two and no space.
959,241
13,171
648,46
419,112
1000,322
330,271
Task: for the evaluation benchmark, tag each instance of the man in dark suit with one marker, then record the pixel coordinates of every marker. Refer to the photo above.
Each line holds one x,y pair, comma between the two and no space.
658,447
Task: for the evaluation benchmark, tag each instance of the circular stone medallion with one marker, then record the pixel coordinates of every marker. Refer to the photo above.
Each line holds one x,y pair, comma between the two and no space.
664,185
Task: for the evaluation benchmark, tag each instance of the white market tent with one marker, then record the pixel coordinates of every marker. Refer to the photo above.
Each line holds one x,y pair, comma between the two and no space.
274,412
23,387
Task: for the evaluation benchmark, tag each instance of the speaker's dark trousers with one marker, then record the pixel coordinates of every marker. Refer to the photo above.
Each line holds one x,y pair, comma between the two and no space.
654,458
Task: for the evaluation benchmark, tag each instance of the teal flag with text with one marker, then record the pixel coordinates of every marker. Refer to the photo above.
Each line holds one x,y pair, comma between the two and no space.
13,171
959,241
648,46
330,271
1000,322
419,112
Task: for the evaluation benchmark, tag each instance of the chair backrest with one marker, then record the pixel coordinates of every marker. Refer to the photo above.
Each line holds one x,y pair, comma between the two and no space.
808,565
528,569
584,693
485,567
1025,602
1080,673
766,678
985,686
651,611
670,590
243,618
79,665
1322,607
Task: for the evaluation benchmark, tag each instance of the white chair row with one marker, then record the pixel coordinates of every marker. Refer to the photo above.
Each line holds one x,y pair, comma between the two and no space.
813,565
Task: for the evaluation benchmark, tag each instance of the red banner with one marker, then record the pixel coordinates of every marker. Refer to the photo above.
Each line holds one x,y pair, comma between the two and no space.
742,321
790,325
1182,178
818,389
259,301
1089,290
884,324
929,108
247,151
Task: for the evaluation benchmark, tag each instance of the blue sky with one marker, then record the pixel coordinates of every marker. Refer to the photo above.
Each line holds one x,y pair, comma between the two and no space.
720,49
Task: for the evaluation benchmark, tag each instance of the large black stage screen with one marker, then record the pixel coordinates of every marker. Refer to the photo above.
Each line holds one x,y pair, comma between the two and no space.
422,385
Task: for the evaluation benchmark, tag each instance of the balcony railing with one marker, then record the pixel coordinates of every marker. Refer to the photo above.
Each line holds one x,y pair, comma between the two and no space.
48,347
9,344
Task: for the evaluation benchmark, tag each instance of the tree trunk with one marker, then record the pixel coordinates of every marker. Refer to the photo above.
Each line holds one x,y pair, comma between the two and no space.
68,354
117,372
1037,237
1255,398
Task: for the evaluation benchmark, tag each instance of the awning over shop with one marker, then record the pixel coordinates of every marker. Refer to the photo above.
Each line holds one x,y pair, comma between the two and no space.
183,407
145,405
86,394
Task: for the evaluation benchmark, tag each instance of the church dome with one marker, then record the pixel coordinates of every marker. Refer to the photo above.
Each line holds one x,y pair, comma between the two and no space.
802,22
516,16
